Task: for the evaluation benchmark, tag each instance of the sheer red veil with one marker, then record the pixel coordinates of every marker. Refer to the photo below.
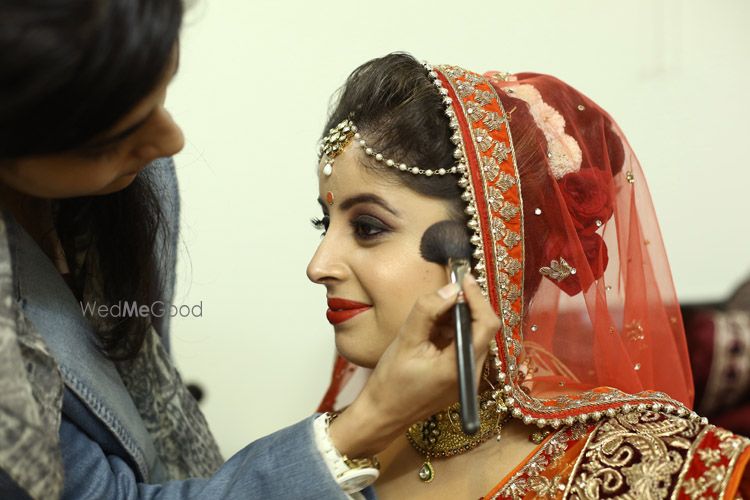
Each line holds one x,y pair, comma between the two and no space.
567,249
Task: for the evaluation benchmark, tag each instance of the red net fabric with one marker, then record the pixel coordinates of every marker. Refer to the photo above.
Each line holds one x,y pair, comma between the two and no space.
568,250
616,321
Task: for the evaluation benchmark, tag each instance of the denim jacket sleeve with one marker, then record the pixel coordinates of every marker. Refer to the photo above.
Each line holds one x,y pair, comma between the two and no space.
285,464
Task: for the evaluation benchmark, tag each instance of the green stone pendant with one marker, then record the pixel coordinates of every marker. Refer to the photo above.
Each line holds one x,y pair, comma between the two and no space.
426,473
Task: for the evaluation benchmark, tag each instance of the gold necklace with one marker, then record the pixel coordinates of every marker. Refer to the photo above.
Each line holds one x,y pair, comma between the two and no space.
441,434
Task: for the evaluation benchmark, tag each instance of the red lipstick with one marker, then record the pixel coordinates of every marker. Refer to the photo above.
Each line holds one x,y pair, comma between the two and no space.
340,310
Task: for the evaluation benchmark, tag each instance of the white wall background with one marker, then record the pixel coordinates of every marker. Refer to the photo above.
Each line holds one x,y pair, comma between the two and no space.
252,94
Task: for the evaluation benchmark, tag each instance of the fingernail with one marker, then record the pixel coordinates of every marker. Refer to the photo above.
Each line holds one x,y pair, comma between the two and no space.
449,290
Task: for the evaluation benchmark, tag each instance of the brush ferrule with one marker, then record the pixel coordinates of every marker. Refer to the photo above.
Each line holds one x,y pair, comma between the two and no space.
458,269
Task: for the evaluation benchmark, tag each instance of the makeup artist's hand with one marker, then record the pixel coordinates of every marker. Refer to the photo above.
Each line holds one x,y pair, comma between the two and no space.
416,376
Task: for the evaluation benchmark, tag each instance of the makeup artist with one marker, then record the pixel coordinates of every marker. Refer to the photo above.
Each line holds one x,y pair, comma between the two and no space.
93,408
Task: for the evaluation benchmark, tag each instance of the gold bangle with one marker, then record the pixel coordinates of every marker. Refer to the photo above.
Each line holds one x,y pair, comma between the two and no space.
355,463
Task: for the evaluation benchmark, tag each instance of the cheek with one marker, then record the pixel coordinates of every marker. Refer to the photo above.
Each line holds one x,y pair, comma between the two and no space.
45,180
72,178
88,180
396,287
112,186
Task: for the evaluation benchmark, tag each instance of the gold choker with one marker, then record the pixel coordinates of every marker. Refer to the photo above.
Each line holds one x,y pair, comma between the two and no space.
441,435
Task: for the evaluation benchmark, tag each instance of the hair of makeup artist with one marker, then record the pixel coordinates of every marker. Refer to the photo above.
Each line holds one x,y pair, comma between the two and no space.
70,70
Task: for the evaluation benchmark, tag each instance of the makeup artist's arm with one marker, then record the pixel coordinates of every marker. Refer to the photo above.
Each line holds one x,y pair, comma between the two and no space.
424,374
287,464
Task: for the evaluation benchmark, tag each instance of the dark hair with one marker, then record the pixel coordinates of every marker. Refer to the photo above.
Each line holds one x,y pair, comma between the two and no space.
70,70
398,109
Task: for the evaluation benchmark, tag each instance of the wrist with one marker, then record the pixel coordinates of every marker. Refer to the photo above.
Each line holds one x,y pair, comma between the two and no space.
362,430
351,474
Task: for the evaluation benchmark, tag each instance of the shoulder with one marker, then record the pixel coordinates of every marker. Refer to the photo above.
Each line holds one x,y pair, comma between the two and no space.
656,455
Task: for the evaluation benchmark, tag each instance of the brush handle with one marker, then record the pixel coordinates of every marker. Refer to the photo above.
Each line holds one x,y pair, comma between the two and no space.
466,370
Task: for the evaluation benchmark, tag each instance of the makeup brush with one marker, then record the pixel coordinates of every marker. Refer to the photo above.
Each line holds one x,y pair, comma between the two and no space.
447,244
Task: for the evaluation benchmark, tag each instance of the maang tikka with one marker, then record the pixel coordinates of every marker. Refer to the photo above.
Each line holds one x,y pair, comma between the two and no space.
334,144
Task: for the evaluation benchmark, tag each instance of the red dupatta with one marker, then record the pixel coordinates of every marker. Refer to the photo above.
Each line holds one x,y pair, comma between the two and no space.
567,250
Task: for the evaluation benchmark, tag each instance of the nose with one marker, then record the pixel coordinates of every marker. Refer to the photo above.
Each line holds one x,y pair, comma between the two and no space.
165,137
327,265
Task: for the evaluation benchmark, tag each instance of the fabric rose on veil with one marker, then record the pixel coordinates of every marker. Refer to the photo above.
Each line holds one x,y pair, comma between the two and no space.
587,196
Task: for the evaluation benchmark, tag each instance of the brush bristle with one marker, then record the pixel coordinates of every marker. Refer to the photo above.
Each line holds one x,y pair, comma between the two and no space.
445,240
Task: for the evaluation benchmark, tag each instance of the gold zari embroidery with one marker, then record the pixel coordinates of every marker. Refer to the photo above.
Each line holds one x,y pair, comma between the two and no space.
493,121
636,455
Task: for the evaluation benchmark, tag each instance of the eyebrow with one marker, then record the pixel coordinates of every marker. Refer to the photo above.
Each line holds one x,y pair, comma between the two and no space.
120,136
364,198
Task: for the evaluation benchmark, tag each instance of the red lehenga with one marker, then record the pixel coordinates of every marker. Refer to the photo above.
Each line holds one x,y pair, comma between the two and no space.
569,253
634,455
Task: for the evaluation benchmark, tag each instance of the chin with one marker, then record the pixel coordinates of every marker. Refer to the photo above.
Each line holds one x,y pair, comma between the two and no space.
357,354
118,184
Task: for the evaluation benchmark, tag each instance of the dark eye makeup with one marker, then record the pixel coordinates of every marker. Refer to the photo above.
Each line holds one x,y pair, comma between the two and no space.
365,227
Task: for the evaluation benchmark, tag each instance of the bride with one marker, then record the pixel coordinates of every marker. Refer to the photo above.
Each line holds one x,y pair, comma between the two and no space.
587,391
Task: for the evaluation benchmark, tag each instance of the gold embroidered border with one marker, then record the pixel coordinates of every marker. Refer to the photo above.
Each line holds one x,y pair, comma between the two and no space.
688,460
579,459
504,216
733,462
717,451
638,455
547,455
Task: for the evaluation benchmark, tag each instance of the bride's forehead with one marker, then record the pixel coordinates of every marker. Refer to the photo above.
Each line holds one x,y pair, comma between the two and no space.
350,175
349,170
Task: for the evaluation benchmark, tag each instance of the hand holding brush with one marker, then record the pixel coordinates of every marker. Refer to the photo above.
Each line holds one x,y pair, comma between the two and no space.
446,243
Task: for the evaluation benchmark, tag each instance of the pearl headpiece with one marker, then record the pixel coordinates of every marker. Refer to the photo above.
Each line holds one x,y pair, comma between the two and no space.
339,137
